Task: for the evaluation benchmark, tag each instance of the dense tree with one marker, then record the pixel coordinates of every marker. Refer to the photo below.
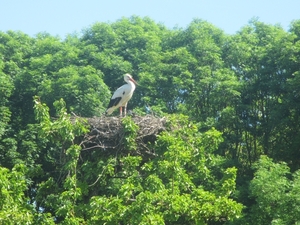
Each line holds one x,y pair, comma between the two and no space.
186,184
275,192
228,99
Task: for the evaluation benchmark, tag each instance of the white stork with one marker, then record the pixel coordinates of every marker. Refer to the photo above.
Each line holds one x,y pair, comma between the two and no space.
122,95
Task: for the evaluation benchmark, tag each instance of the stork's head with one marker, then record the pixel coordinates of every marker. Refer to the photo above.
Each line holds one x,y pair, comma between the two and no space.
128,77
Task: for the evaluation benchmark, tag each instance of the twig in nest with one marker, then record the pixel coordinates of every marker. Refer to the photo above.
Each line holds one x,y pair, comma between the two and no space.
107,133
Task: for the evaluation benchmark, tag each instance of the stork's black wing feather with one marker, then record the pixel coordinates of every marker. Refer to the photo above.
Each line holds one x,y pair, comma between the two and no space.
114,102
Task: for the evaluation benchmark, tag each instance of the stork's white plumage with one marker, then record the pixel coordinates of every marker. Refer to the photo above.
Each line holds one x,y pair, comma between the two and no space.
122,95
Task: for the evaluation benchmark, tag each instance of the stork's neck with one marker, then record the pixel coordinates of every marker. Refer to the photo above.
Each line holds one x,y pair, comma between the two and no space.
131,84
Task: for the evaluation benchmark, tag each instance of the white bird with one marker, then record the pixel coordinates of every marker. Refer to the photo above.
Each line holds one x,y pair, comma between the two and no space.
122,95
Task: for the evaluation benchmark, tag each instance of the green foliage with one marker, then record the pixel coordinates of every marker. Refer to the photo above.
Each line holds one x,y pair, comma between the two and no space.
175,188
130,131
13,206
274,192
61,131
228,99
81,87
6,88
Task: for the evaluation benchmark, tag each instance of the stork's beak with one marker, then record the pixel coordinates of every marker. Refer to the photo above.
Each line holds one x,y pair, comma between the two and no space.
133,81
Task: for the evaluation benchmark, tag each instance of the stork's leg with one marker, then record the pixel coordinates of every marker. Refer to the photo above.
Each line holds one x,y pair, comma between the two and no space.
120,111
125,109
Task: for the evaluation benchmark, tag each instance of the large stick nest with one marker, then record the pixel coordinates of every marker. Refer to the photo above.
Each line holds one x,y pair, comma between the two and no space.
107,135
